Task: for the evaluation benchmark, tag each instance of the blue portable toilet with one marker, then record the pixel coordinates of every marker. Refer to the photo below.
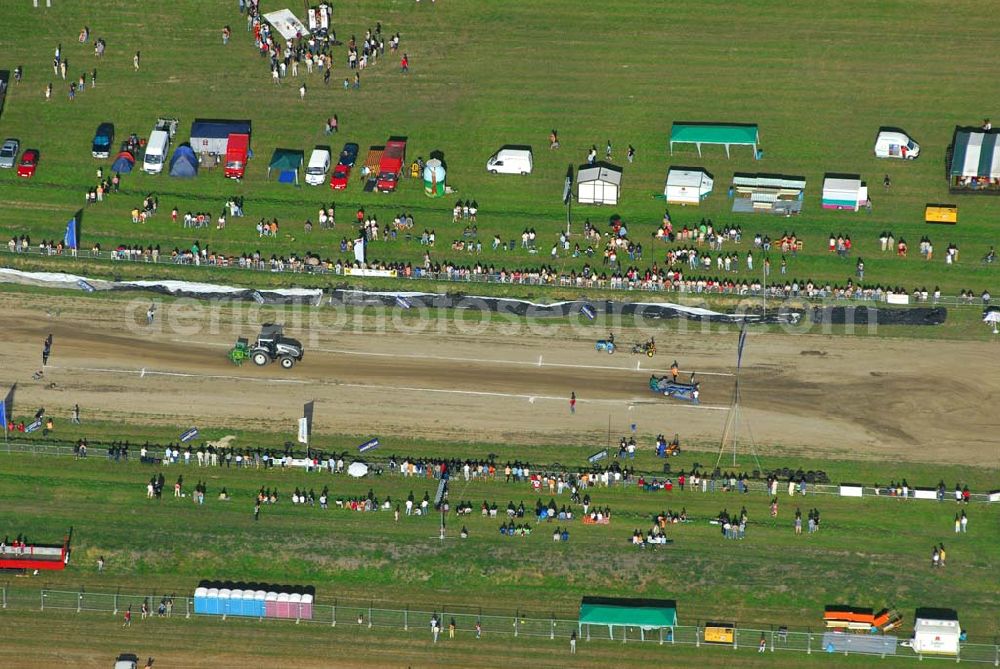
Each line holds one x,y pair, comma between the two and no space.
212,605
201,600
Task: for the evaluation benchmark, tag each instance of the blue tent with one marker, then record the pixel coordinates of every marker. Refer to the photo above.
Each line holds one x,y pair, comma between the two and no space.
124,163
184,163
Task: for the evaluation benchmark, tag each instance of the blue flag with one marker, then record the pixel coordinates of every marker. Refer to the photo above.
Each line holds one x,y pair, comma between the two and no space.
70,238
7,407
742,343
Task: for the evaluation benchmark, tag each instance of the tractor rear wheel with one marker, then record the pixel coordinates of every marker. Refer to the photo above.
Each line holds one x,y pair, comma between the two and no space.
287,362
260,358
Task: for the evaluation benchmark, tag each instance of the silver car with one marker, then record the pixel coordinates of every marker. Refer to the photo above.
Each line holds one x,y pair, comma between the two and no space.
8,153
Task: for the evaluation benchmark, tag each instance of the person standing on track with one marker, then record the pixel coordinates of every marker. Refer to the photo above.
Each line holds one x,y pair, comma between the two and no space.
46,350
572,403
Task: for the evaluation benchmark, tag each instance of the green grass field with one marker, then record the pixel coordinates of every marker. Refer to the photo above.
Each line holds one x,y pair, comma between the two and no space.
818,79
819,84
869,552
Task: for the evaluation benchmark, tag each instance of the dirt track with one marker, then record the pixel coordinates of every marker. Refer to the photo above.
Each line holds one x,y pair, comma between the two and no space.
841,396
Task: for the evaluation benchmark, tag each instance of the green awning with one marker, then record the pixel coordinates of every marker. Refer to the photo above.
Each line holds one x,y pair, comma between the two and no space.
647,613
286,159
714,133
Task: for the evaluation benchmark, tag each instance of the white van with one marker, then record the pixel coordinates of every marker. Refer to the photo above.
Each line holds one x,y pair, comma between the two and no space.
319,165
510,160
895,144
156,152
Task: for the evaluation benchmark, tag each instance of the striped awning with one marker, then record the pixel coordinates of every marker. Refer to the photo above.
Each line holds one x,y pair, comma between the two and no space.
976,154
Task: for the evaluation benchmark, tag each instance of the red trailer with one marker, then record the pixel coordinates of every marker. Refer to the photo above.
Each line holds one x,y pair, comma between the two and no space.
22,555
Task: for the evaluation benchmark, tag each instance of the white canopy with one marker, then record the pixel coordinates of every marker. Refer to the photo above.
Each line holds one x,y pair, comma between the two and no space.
286,23
357,469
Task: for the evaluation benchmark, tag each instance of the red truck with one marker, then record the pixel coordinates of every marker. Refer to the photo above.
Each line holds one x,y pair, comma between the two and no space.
237,149
390,168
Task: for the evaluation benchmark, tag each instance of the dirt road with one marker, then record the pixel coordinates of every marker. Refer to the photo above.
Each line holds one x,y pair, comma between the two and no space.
838,396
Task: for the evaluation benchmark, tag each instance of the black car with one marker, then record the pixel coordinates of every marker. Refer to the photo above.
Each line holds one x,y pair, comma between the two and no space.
348,155
103,139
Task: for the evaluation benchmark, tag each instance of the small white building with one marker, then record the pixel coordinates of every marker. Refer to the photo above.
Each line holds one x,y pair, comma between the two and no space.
936,631
599,184
687,186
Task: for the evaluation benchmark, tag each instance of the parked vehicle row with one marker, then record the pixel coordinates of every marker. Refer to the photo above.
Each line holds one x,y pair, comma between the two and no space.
8,158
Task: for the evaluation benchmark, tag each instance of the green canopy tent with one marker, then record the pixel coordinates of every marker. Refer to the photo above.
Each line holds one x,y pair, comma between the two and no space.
646,614
287,162
726,134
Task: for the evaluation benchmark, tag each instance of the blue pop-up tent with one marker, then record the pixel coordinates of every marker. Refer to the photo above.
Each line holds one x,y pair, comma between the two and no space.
184,163
124,162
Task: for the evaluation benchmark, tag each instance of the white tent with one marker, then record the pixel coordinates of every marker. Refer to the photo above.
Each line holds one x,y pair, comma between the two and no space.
939,635
687,186
599,184
357,469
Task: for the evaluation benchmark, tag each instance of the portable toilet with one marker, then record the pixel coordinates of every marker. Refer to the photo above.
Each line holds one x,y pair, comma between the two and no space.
259,597
295,605
234,607
224,595
306,612
201,600
247,604
271,605
212,603
434,178
283,609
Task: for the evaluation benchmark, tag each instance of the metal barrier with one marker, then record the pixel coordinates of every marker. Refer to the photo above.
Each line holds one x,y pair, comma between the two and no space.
527,278
367,615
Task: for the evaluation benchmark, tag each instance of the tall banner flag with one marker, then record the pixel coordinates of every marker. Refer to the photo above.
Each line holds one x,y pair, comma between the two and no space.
739,348
303,430
307,413
359,250
70,240
7,407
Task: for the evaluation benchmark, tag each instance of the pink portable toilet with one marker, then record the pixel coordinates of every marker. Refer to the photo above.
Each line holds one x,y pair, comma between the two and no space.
307,607
271,605
283,609
295,605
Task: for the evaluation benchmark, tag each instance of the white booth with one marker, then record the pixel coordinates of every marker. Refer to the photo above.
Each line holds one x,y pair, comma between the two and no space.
599,184
936,631
845,193
687,185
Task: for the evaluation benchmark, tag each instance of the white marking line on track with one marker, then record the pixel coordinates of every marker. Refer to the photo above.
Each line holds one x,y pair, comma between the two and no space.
494,361
144,372
370,386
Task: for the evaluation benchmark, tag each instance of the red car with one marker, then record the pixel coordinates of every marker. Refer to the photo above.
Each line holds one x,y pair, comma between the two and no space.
341,175
29,161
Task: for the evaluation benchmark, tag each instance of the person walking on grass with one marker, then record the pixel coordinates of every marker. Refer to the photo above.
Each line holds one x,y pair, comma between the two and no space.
100,565
964,520
135,61
572,643
404,64
76,414
128,617
256,511
572,403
